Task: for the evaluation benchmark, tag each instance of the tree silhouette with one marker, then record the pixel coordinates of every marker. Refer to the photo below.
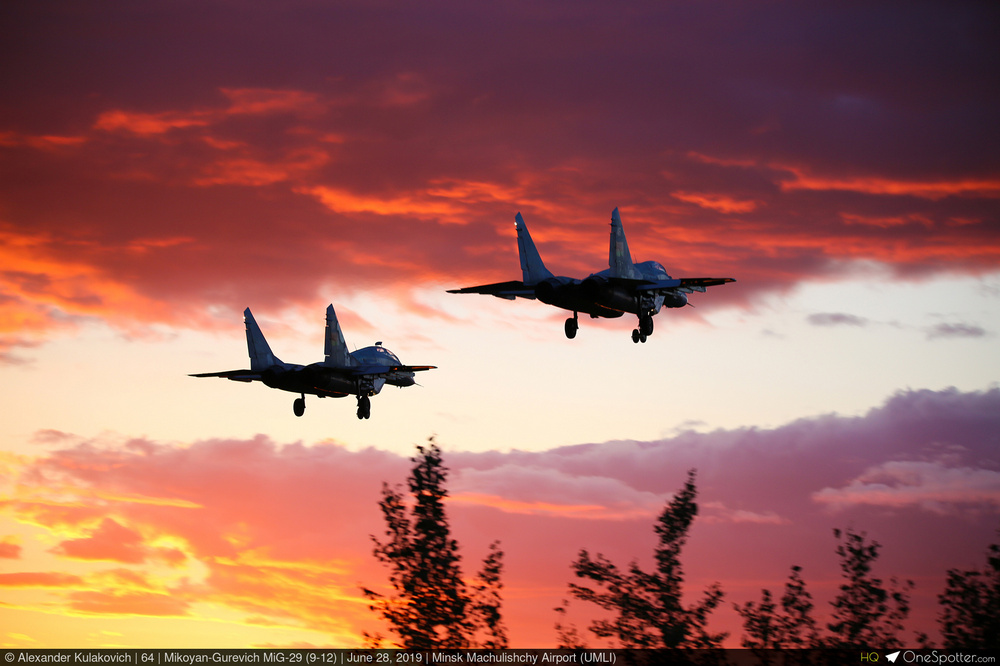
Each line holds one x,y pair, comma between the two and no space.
432,607
970,606
647,607
789,627
865,614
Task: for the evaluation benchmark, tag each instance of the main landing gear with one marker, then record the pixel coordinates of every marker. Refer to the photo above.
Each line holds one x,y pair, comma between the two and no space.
645,329
572,325
364,407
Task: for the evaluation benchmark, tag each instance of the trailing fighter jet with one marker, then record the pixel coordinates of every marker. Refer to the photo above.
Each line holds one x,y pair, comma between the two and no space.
641,289
341,373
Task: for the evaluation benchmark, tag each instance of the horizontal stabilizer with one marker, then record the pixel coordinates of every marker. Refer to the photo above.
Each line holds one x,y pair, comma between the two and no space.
235,375
511,289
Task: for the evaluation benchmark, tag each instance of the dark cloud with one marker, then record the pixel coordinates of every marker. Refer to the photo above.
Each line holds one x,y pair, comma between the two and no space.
165,158
946,330
836,319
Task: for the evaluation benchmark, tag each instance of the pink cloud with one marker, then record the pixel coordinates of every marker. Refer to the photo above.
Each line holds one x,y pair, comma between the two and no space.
281,531
537,490
718,512
109,541
113,542
928,485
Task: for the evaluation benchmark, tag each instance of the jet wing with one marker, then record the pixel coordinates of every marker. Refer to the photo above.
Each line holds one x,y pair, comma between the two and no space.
705,282
235,375
386,369
508,290
679,284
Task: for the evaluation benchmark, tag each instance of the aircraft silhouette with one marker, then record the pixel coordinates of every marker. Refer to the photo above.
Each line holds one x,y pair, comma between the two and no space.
362,373
640,289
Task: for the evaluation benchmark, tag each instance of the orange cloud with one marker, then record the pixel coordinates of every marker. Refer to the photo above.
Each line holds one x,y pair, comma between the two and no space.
128,603
931,189
245,550
110,541
41,142
343,201
113,542
39,579
885,222
33,279
719,202
585,511
148,124
254,173
9,548
48,284
265,101
242,101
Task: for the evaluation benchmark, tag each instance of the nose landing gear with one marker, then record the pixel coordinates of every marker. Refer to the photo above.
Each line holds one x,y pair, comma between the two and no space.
572,325
299,406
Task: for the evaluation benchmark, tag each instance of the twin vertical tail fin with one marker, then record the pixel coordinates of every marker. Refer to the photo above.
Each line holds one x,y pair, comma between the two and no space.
619,257
335,348
533,270
261,356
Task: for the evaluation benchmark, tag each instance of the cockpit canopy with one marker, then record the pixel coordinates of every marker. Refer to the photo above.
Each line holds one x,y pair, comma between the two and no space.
376,355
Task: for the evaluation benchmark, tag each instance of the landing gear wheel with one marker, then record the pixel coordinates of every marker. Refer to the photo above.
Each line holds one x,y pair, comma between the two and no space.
364,407
571,327
299,406
646,325
642,338
635,335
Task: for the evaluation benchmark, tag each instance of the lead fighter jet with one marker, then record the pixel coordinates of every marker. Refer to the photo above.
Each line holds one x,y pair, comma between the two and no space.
362,373
640,289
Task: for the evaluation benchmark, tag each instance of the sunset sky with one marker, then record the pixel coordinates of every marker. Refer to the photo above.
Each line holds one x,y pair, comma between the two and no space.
166,164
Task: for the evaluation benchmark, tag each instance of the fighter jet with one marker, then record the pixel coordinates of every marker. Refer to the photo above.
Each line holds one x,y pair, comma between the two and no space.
363,372
640,289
